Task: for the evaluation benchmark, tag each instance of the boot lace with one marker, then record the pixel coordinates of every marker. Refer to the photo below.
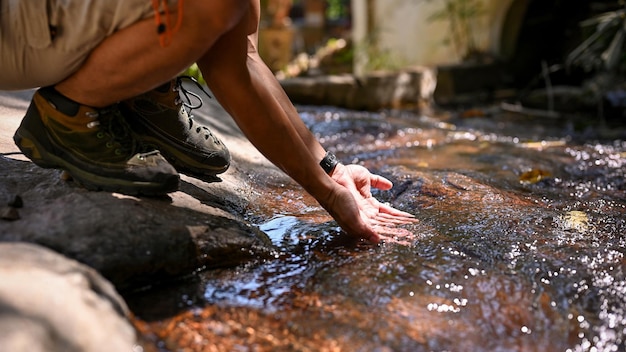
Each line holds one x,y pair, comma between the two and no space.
189,105
112,127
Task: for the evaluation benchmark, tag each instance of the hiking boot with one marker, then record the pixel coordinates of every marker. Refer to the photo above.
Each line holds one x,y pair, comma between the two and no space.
160,118
95,146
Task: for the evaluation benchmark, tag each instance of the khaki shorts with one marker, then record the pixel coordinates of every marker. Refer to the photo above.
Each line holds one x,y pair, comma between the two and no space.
44,41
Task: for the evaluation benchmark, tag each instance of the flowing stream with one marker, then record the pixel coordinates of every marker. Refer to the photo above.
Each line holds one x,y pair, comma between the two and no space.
520,246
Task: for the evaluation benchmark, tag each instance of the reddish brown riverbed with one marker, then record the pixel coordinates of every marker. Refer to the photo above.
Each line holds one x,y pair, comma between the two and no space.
520,247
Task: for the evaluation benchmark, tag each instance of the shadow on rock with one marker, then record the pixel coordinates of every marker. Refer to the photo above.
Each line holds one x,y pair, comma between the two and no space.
131,241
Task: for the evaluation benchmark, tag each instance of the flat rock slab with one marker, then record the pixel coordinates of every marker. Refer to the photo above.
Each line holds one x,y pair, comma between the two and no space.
409,88
131,241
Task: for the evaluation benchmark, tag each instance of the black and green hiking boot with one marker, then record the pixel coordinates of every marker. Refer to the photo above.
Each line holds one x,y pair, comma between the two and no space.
95,146
161,119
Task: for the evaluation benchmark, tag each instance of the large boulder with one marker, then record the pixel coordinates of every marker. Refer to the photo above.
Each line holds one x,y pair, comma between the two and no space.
49,303
131,241
134,241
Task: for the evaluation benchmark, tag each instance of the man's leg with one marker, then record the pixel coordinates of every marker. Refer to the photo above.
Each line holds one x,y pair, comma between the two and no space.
128,64
131,61
76,125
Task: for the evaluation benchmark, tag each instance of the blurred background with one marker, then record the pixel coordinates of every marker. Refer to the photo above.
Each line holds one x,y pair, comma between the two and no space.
549,54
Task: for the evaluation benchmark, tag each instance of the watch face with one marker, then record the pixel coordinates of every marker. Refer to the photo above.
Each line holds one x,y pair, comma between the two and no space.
329,162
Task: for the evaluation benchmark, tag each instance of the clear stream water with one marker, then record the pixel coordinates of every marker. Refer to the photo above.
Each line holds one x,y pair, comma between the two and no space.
520,246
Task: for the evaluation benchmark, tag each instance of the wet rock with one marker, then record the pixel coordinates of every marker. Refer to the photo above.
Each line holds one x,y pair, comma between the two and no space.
9,213
448,190
51,303
131,241
15,201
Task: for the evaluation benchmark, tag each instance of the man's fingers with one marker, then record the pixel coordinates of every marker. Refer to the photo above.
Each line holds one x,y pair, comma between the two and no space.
390,222
393,219
387,209
372,236
388,233
380,182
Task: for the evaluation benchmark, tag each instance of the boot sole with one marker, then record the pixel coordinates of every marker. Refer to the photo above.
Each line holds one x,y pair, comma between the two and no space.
180,158
38,155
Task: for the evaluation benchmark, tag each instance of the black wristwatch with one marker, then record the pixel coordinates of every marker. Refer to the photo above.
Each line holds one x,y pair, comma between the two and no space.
329,162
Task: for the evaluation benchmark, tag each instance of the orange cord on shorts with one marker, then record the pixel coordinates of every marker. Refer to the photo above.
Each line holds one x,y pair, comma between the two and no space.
164,30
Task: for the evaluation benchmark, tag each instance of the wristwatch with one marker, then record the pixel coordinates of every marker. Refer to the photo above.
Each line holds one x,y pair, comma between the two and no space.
329,162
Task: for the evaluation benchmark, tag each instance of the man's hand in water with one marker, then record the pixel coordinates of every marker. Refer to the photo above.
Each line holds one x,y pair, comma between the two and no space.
357,211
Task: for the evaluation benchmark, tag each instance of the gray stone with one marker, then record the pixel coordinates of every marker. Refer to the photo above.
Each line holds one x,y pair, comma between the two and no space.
131,241
51,303
408,88
135,241
9,213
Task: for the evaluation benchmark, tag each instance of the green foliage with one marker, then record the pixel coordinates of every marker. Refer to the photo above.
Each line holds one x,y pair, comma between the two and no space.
378,57
603,48
337,9
194,72
345,57
461,16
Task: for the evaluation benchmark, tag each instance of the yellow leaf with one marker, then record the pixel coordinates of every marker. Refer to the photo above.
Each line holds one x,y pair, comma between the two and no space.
534,176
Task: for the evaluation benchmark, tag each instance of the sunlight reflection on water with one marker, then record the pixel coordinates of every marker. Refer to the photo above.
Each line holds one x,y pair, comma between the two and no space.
495,263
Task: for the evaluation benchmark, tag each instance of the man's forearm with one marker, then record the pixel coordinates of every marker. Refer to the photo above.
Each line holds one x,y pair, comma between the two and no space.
247,90
273,84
